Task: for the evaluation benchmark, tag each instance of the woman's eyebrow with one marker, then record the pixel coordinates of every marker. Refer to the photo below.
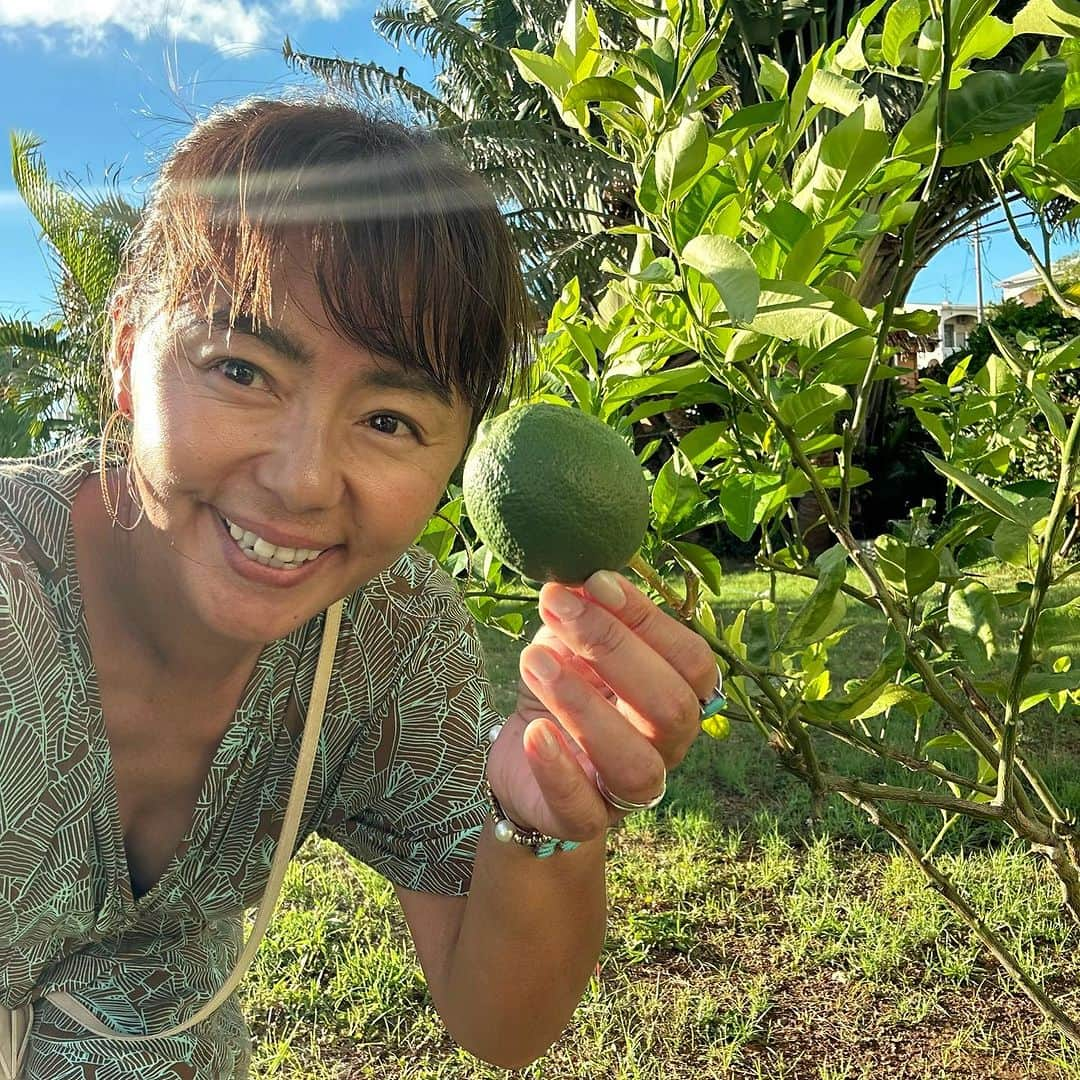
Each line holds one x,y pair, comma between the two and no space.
389,373
271,336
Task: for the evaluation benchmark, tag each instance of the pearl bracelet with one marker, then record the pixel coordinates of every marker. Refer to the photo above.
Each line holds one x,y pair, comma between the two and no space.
507,831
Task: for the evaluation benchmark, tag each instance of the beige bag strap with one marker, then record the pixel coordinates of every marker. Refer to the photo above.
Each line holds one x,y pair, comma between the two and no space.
282,854
14,1039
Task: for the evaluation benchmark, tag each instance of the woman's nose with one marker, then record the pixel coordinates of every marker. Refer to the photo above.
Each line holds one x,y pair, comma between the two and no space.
302,469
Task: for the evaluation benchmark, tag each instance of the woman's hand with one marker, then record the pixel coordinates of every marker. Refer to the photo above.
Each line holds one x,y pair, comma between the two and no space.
610,685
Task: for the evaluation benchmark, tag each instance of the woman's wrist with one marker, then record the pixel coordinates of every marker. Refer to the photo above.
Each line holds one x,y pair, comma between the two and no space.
510,829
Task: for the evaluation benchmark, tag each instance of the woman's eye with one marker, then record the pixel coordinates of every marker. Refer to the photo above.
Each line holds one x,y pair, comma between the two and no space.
388,424
239,371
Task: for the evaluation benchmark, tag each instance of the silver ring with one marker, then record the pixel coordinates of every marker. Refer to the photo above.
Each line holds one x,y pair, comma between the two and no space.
624,804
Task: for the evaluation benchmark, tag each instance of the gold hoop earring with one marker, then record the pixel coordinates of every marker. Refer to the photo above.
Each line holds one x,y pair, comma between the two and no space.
114,511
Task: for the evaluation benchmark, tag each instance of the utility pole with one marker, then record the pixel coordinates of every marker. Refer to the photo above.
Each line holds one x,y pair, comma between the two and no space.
976,241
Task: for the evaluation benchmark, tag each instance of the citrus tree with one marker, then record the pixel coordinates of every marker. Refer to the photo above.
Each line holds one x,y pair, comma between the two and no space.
756,226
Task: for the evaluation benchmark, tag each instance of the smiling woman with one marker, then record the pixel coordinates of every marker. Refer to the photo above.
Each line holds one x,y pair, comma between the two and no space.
315,313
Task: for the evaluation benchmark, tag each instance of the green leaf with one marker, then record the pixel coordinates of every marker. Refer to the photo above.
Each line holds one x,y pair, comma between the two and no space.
761,115
1057,633
804,257
828,477
746,498
921,321
649,449
703,562
660,271
902,22
975,620
680,156
862,695
543,70
1015,545
1039,685
852,56
928,50
934,424
982,493
892,695
951,740
1064,357
992,102
583,389
910,570
987,38
667,381
1050,18
787,223
578,39
707,441
440,535
675,492
848,155
1055,418
836,92
566,307
826,606
773,77
644,74
704,207
809,409
795,312
731,271
599,88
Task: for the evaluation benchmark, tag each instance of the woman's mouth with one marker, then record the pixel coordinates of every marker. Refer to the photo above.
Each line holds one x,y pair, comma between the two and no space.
261,551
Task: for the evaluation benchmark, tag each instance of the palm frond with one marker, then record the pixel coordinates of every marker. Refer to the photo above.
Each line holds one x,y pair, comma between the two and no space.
482,70
551,186
371,83
88,244
20,336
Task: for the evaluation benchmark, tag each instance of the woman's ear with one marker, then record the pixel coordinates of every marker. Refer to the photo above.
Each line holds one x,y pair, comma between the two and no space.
121,347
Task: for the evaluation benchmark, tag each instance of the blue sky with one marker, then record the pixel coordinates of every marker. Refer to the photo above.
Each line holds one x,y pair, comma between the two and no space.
103,87
106,88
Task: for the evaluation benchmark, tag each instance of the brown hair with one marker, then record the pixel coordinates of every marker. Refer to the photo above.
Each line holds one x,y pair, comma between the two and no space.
407,248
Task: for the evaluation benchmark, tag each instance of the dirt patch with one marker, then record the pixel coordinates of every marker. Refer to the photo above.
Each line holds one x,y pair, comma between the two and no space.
819,1022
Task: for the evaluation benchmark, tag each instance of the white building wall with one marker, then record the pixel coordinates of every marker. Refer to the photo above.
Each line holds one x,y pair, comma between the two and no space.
955,322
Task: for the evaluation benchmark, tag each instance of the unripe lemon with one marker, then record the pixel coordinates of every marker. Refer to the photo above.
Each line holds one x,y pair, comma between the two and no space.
556,493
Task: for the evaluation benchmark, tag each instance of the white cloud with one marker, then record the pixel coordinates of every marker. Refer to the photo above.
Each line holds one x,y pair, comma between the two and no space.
227,25
318,9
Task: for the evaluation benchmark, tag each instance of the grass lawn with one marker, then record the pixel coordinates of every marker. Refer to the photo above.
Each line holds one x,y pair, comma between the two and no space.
744,941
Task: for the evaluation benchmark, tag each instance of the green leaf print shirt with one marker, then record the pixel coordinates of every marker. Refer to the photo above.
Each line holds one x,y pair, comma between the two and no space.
397,782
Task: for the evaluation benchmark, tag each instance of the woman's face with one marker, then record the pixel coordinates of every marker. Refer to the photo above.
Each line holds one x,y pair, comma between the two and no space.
280,466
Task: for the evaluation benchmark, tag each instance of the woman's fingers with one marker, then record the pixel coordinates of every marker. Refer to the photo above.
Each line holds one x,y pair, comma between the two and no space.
547,637
661,669
631,766
570,795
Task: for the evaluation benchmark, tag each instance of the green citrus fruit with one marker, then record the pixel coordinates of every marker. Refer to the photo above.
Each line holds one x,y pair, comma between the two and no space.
556,493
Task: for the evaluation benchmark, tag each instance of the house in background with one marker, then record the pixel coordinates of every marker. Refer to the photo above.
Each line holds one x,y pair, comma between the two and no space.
1027,287
955,322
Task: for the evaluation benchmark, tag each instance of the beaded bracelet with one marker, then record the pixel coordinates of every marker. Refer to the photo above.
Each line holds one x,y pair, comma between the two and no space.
507,831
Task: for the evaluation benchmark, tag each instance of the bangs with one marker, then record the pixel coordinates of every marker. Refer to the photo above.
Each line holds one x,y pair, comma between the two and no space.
407,249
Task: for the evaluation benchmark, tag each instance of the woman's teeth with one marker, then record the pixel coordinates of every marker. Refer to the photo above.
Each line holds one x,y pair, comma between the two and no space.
262,551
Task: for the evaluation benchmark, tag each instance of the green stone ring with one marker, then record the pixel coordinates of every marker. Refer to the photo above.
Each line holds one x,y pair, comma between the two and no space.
716,700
